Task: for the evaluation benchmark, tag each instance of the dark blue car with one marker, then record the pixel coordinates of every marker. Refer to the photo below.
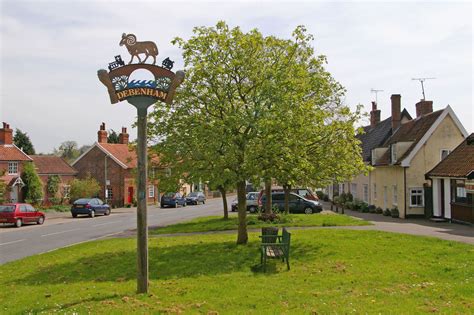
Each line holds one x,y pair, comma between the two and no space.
172,199
90,207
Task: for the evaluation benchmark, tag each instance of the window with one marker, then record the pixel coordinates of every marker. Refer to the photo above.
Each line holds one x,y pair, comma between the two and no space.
395,195
354,190
151,191
292,197
278,197
12,168
66,191
30,208
366,193
385,197
393,151
416,197
444,153
375,192
109,193
458,193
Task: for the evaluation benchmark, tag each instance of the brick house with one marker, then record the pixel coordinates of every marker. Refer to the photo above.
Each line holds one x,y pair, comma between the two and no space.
113,165
50,165
12,162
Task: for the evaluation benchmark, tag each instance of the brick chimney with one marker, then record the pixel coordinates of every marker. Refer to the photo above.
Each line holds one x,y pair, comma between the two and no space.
102,134
123,137
396,113
423,108
6,134
374,115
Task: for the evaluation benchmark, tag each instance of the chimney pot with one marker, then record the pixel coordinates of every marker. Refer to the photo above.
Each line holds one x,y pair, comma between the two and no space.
6,134
123,136
423,108
396,113
374,115
102,134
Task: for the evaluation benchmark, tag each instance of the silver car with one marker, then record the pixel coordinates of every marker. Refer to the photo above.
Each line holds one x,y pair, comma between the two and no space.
252,202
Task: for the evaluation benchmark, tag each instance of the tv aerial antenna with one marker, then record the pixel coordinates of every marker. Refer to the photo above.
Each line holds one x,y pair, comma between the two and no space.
422,86
376,92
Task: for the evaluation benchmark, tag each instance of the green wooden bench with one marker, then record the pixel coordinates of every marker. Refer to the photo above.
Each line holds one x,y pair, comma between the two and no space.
275,246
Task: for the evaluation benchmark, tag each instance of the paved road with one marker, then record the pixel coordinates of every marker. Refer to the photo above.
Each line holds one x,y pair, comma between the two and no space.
16,243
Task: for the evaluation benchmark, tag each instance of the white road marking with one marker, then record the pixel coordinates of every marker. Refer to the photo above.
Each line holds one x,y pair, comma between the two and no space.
11,242
106,223
59,232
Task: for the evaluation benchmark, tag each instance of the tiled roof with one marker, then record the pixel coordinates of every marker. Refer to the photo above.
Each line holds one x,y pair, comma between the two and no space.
122,152
374,137
458,163
50,164
412,130
10,152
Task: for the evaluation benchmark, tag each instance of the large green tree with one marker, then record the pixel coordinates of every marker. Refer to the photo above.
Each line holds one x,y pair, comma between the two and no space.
22,141
251,106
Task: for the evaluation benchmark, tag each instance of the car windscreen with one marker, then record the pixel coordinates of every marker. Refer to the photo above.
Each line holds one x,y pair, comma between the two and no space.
193,194
82,201
7,208
169,194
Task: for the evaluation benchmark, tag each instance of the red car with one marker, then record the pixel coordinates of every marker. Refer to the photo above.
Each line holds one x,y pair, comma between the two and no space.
20,213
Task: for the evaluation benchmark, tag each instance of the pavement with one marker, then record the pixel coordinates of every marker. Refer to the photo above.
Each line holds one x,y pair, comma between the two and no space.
419,226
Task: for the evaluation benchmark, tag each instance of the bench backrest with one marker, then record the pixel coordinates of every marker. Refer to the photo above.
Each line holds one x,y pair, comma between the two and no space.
286,237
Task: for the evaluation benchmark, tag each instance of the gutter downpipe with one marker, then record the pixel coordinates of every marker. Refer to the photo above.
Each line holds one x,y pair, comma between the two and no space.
405,191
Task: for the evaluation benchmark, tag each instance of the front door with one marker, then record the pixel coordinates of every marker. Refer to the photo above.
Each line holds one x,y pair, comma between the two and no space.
14,194
130,195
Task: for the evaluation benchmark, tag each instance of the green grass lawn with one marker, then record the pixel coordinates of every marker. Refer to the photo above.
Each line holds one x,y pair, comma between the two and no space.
332,271
217,223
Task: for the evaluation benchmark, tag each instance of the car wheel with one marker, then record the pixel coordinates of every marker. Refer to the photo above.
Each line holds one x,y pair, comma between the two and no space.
92,214
40,220
18,223
107,212
74,215
308,210
252,209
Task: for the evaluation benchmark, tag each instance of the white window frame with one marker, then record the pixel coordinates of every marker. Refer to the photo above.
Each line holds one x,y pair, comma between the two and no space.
394,195
417,189
66,191
12,168
151,191
441,153
109,193
366,193
354,190
385,197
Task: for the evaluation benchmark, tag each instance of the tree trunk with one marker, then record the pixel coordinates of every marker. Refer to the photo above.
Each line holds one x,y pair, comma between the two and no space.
242,236
287,189
224,200
268,196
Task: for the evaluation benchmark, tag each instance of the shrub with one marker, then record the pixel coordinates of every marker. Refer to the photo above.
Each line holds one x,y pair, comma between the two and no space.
349,197
372,208
364,208
325,197
269,217
337,200
394,212
386,212
52,187
55,201
33,187
343,198
320,194
348,205
378,210
84,188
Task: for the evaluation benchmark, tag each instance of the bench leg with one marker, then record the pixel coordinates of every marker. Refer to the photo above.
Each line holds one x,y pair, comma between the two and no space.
287,263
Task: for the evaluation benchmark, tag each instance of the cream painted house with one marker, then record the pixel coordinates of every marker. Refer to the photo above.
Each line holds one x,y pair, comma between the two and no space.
414,148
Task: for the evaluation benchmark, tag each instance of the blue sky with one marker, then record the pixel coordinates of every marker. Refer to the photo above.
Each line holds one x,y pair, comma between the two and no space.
51,51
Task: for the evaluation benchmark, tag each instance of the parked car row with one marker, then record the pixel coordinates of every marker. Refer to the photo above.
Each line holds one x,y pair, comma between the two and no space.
175,199
296,202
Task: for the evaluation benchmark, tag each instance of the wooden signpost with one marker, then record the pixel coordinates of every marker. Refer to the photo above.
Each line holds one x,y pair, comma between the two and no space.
141,94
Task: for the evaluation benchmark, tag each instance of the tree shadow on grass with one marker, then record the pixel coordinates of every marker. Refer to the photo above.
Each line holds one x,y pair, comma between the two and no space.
165,262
